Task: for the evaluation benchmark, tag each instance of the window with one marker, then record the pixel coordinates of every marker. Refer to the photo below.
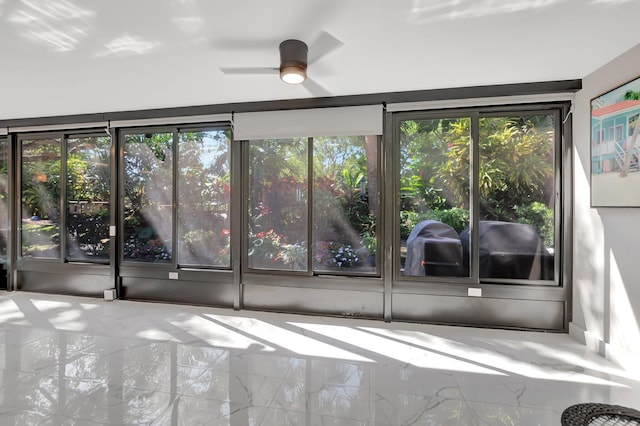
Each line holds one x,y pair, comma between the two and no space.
40,197
619,133
328,227
4,200
514,184
599,136
148,197
313,189
278,204
77,221
185,200
434,196
204,198
345,204
516,233
632,124
88,197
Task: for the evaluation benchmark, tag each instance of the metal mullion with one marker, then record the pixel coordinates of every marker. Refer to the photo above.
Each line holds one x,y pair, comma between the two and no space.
389,179
558,204
237,220
565,237
474,195
12,246
119,254
114,212
64,234
310,180
245,152
175,152
393,204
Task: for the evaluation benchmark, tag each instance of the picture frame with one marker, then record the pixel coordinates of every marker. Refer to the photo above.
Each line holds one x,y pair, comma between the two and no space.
615,147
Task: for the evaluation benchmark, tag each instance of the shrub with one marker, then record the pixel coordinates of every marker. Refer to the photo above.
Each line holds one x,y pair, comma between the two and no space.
456,218
335,255
540,217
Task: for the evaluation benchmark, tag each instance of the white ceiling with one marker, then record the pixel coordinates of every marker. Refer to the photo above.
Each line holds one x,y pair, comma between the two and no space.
60,57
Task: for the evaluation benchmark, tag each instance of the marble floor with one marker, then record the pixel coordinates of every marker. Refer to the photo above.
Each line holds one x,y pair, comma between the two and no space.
82,361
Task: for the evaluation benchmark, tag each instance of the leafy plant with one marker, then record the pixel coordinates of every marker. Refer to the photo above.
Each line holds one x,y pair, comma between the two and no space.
153,250
540,217
457,218
335,255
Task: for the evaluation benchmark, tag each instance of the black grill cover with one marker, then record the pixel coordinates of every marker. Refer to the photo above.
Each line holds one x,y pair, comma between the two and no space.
510,250
433,248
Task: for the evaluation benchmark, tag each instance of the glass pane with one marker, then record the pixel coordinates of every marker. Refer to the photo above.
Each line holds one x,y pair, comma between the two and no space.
517,203
40,195
88,192
345,202
4,206
278,210
204,199
434,195
148,197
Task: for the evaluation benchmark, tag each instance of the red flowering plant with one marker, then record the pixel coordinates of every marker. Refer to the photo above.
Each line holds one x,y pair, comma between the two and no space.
266,247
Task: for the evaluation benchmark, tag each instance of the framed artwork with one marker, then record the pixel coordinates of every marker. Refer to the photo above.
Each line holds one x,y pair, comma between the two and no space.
615,147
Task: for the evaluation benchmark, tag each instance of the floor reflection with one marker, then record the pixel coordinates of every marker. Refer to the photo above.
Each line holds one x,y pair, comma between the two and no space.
135,363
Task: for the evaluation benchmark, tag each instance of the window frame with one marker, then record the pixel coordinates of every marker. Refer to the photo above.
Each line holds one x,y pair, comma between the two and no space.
442,284
62,258
68,136
5,141
310,272
175,130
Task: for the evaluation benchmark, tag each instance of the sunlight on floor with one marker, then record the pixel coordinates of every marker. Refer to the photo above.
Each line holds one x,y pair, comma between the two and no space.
129,362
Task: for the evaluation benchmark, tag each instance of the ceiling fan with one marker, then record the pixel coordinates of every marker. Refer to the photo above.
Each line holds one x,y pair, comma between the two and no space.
295,58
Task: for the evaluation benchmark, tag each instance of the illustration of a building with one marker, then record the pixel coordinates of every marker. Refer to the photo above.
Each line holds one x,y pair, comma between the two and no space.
612,129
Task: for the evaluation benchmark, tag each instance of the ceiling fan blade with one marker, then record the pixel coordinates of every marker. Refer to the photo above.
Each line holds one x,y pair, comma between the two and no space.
250,70
322,46
316,89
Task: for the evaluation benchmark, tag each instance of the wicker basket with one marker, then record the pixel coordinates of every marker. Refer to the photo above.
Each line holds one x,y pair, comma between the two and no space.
599,415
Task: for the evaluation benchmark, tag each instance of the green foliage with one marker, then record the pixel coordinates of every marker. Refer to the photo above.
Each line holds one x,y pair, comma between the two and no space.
416,195
631,95
207,246
40,240
457,218
516,162
541,218
370,242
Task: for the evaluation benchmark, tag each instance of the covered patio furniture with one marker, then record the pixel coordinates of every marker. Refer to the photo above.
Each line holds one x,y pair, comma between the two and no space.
433,248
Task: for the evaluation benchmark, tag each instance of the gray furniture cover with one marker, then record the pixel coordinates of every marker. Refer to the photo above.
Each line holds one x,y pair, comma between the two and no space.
510,250
433,248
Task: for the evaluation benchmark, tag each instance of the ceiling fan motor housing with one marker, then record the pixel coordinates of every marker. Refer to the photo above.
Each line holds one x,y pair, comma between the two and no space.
293,54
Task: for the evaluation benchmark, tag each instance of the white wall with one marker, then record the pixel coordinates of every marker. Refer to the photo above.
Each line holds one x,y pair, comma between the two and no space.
606,271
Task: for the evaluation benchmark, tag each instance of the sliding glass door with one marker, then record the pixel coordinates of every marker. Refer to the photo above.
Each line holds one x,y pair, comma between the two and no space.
313,205
177,198
517,193
504,162
478,229
88,193
40,187
434,196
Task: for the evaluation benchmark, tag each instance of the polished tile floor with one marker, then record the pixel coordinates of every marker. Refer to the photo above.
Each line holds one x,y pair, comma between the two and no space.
82,361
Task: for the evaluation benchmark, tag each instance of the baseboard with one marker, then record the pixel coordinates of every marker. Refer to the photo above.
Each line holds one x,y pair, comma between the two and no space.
620,357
